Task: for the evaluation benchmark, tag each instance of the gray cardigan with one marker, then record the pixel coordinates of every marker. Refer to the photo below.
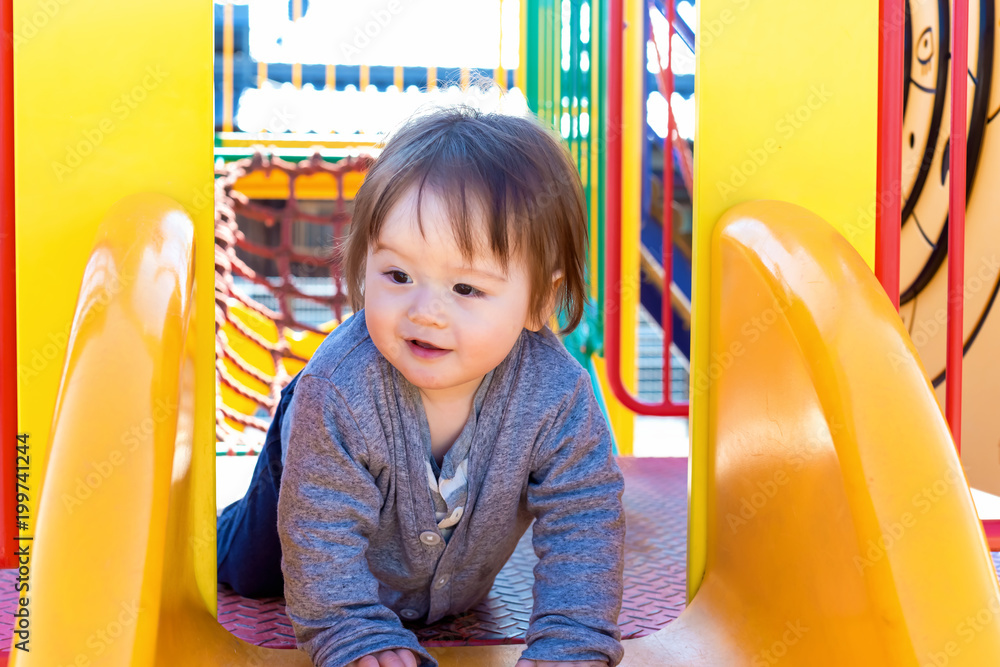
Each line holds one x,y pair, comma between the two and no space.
359,541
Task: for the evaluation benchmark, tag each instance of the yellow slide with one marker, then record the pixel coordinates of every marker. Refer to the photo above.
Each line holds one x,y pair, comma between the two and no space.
124,564
839,521
840,528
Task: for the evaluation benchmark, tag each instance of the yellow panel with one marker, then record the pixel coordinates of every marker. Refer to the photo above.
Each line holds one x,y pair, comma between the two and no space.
301,343
633,136
107,104
622,419
279,142
250,353
786,109
304,344
259,185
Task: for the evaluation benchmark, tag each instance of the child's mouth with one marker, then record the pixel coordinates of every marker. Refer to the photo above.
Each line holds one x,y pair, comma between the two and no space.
424,349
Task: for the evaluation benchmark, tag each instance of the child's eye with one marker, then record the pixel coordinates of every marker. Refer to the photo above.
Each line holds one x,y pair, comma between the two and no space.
397,277
467,290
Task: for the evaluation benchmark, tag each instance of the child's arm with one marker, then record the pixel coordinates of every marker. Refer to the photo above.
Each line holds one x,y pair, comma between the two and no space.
575,494
328,506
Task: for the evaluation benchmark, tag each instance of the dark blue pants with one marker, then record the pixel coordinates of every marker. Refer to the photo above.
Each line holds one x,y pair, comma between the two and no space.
249,552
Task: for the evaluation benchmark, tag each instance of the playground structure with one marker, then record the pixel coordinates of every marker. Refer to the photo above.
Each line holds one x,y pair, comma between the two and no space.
259,350
140,361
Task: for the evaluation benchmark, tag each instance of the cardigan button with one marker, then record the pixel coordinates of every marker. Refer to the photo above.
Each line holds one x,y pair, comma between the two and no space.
410,613
430,538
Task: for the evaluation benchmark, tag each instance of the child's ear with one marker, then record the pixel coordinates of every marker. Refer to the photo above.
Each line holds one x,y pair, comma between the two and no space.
535,322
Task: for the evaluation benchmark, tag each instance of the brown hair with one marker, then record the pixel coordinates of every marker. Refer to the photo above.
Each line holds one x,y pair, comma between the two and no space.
507,167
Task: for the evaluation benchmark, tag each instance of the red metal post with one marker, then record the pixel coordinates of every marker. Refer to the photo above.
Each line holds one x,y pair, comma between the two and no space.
991,527
8,330
613,276
666,85
890,146
612,284
667,244
956,219
667,91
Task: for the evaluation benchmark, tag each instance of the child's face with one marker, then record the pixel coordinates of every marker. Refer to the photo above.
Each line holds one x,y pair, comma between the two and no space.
441,322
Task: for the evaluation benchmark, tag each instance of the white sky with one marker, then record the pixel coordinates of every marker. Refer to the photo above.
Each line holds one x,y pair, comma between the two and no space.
420,33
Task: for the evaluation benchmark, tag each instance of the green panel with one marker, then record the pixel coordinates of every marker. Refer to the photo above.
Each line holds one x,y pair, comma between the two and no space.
599,66
531,67
547,84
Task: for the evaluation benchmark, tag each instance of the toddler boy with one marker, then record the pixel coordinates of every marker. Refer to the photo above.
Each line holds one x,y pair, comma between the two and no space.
432,427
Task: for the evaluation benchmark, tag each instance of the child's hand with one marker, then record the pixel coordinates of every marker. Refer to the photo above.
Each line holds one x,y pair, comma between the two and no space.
551,663
401,657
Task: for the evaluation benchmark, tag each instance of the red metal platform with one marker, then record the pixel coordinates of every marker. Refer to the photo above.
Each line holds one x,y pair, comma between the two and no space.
656,514
655,502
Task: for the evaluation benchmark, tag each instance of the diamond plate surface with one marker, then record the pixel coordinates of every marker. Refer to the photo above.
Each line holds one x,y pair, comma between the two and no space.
656,514
8,606
655,503
262,622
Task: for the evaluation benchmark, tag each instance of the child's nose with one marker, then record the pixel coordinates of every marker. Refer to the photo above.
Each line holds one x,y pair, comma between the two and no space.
427,308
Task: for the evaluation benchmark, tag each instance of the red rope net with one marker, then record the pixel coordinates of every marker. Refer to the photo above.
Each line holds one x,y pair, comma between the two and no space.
236,430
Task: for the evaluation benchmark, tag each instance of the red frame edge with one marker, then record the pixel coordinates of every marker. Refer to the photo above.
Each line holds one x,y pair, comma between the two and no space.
992,529
888,169
613,283
956,222
8,294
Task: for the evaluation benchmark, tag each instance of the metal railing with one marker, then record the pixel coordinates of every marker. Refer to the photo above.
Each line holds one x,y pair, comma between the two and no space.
887,248
888,184
613,280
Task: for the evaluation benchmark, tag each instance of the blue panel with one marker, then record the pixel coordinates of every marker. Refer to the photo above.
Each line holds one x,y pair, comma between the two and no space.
683,84
650,297
652,239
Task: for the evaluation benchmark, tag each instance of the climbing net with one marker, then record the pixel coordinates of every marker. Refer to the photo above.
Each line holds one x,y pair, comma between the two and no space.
259,348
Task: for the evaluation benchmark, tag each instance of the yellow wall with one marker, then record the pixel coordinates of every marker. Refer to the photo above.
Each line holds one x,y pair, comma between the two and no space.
111,98
786,109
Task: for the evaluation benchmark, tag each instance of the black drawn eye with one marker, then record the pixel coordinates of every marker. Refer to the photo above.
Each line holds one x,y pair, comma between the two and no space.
925,46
